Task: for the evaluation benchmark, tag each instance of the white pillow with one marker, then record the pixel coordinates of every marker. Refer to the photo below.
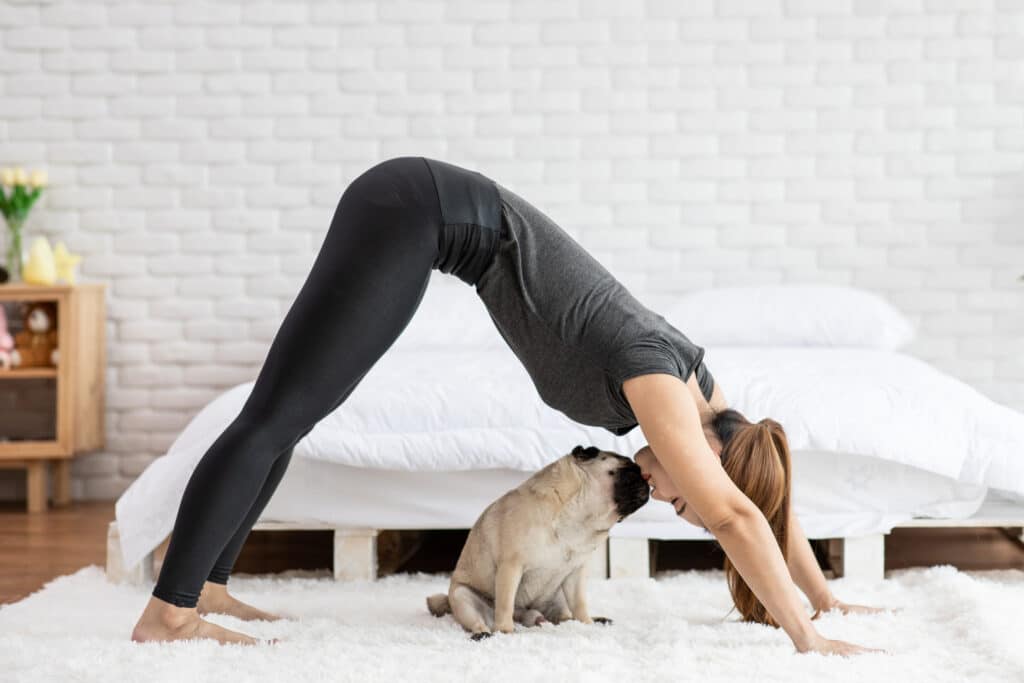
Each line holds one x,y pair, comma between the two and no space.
789,315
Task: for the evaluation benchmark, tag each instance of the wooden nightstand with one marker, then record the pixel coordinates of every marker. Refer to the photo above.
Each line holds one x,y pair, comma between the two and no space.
74,392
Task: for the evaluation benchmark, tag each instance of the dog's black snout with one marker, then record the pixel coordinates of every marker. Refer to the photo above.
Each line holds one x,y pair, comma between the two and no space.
631,491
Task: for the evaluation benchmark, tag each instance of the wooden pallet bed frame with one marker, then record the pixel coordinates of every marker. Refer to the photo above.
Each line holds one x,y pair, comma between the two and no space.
355,550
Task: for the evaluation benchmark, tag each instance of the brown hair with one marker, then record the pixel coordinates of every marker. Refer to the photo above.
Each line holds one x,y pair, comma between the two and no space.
756,458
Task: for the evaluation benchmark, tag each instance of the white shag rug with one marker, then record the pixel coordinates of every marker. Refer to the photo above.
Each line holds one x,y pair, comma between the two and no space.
952,626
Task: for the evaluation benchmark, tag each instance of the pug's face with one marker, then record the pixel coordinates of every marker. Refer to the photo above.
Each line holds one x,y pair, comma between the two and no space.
618,479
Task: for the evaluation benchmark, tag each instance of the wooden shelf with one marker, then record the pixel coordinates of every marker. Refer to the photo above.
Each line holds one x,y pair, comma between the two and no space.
19,291
28,373
79,382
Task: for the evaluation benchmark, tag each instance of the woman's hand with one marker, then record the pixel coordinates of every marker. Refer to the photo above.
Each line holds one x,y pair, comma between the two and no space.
846,608
857,609
824,646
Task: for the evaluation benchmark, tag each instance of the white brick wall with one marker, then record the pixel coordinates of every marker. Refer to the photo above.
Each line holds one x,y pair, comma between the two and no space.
197,152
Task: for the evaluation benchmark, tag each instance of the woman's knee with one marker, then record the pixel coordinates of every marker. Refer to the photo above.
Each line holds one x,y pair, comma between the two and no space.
262,437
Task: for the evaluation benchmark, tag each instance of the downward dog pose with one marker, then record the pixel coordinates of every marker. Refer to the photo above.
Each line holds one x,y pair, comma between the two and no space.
592,350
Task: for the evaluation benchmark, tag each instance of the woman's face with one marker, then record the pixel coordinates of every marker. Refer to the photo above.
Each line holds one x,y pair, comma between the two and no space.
662,487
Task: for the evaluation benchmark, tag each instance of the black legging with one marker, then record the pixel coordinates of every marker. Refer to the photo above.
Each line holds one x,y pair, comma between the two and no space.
365,284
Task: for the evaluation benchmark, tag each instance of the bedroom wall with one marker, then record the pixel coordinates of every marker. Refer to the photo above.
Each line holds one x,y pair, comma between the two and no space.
196,153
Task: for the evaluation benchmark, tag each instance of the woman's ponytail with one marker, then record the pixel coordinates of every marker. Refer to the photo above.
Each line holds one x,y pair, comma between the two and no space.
756,457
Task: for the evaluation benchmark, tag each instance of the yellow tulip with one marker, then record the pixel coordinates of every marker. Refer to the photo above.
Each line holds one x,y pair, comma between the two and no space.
6,176
20,177
38,178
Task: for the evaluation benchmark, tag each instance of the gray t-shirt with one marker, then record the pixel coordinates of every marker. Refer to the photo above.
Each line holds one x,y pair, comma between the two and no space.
576,329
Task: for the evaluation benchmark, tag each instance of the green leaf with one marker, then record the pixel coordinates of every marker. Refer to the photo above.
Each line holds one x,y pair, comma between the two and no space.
18,198
31,199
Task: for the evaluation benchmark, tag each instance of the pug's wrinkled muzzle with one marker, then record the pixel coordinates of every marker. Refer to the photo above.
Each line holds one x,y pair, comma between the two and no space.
631,492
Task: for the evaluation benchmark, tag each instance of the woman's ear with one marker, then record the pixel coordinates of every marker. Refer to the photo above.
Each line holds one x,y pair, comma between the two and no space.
713,441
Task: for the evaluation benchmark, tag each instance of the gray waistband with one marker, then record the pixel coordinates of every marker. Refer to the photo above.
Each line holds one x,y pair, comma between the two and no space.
472,220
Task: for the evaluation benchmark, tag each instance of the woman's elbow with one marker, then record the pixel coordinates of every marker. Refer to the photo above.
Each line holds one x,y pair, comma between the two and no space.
730,516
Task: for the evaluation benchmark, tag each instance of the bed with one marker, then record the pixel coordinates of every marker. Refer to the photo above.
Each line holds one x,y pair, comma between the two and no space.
448,420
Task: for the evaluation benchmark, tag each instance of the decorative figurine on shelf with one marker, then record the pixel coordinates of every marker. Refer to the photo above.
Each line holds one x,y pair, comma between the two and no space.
6,342
46,266
36,345
65,262
18,192
41,267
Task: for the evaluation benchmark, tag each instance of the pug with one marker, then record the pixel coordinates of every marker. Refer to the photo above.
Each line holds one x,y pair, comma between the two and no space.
525,557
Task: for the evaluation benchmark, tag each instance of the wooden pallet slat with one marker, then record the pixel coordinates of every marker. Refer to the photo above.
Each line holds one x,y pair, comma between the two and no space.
355,550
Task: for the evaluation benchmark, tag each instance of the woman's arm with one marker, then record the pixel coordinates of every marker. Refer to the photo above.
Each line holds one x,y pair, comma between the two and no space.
668,417
803,567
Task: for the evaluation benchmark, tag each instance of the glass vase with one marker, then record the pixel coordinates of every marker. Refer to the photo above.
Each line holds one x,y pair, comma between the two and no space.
14,248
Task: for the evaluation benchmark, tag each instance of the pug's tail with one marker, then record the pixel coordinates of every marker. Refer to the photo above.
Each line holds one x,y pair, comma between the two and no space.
438,605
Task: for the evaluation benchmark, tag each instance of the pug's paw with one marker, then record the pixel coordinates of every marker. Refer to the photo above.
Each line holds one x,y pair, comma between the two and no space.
482,635
533,618
604,621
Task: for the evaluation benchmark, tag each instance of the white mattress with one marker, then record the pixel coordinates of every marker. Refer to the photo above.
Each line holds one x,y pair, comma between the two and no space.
435,410
834,495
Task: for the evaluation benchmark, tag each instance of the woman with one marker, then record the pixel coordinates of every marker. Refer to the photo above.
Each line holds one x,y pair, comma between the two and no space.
592,350
756,458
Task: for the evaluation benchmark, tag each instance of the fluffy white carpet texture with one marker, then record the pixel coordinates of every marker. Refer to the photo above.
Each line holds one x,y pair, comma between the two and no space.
948,626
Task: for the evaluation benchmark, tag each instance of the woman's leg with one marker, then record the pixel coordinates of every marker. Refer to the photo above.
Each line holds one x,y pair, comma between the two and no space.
222,567
214,596
365,284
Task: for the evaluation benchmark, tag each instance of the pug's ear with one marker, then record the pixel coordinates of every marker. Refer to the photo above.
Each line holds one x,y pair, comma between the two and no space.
584,454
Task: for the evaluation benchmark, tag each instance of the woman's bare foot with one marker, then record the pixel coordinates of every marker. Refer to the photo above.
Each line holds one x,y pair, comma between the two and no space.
216,599
162,621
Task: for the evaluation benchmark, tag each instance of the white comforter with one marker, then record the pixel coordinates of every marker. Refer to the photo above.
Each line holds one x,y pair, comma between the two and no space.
476,409
462,410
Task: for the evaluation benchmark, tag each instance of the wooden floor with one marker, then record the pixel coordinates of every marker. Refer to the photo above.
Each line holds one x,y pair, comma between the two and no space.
35,548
